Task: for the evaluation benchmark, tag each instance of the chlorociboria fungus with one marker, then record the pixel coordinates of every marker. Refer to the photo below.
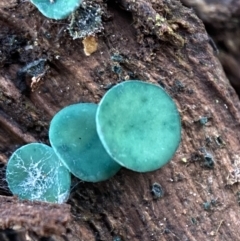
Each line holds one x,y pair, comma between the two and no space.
74,139
136,125
34,172
139,125
56,9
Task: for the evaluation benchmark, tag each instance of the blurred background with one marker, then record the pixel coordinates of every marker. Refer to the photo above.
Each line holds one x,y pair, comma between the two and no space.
222,21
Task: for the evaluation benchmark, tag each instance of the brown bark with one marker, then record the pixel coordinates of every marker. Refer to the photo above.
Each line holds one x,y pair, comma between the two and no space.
162,42
216,13
41,218
221,19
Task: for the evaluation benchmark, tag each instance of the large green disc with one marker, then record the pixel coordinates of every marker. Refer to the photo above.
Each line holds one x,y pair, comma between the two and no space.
74,138
34,172
139,125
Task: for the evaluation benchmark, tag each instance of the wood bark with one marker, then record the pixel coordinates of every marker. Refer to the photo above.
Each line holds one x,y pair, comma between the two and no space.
159,41
221,19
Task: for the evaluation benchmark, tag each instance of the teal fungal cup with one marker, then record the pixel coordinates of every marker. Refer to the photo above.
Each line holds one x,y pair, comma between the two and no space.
56,9
139,125
74,139
34,172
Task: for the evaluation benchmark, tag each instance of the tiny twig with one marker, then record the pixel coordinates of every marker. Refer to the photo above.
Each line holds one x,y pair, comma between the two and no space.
219,226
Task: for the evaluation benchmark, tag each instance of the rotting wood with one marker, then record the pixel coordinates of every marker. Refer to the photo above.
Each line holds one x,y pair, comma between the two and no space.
182,60
221,19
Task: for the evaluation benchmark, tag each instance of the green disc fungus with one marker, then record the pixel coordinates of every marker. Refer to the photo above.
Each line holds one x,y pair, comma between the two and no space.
139,125
74,138
34,172
56,9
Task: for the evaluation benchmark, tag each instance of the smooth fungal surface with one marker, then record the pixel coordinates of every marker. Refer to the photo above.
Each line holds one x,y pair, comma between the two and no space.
139,125
74,138
34,172
56,9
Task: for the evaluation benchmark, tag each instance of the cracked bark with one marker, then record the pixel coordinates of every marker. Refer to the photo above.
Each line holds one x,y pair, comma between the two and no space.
160,42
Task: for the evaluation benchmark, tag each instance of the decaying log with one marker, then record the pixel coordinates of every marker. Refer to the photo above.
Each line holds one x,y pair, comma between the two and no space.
219,14
41,218
158,41
221,19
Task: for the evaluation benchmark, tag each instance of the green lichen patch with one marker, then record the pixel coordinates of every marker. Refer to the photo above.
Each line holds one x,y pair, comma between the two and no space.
139,125
34,172
74,138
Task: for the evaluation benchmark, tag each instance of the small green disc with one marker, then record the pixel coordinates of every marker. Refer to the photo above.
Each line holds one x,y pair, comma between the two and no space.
56,9
34,172
74,139
139,125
